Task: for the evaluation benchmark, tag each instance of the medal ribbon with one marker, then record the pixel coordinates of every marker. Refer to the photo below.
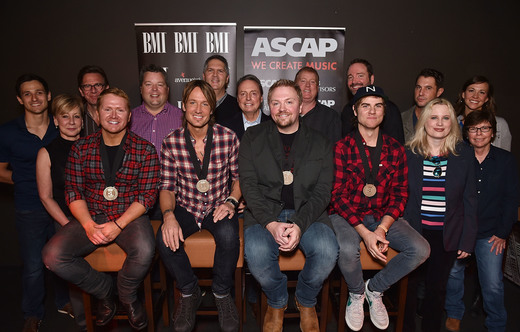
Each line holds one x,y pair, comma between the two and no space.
201,173
111,170
370,174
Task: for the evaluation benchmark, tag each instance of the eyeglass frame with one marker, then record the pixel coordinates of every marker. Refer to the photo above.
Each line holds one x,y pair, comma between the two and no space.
96,86
483,129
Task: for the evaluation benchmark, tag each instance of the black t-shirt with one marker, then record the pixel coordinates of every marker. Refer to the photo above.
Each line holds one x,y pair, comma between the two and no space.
288,165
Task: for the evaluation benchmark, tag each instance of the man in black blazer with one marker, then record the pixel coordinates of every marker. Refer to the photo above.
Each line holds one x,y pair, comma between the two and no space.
286,175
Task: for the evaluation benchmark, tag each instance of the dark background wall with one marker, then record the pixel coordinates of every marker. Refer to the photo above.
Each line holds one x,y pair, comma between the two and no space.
461,38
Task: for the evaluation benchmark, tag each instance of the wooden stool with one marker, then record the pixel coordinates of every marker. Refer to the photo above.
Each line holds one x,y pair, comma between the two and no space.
110,259
370,263
200,248
295,261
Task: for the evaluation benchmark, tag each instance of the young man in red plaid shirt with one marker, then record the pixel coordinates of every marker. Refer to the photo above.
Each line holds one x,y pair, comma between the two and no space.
368,198
111,179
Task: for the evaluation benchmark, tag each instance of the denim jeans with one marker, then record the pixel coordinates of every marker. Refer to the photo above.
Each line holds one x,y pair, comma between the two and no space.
320,248
225,233
413,251
490,276
454,303
64,254
34,229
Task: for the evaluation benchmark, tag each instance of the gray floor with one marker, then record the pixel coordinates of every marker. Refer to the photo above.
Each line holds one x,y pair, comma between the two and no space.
12,319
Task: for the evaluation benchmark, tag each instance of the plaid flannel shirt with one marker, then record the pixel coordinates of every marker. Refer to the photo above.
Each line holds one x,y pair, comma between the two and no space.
391,182
178,174
136,180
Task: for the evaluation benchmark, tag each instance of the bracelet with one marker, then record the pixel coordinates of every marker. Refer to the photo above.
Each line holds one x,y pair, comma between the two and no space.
232,200
117,225
383,228
167,210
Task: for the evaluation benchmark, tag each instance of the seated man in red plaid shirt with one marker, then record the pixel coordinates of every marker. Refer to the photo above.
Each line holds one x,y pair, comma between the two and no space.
111,179
200,190
369,195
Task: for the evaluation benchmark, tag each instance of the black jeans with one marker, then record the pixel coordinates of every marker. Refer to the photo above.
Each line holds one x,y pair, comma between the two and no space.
64,255
225,233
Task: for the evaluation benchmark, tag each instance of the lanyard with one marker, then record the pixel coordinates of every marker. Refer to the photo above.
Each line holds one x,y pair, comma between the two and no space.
110,170
201,173
370,174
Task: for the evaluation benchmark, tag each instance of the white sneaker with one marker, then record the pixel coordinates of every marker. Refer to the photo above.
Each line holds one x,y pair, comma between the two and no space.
378,313
354,314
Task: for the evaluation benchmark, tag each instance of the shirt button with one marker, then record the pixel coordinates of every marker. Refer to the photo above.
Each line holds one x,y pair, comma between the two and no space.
478,192
479,180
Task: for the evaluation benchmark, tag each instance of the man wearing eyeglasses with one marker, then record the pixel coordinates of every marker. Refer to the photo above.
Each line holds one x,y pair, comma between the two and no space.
92,80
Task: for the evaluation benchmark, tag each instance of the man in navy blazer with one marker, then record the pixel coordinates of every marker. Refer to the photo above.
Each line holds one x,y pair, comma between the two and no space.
249,97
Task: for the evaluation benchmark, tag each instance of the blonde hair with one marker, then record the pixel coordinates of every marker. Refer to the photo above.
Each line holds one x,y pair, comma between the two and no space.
419,142
65,103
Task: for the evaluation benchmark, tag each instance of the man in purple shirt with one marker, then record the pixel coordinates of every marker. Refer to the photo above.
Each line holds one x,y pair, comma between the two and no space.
156,118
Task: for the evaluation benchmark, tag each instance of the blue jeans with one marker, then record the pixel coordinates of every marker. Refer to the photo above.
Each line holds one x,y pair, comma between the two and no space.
320,248
490,275
454,303
413,251
64,255
177,263
34,229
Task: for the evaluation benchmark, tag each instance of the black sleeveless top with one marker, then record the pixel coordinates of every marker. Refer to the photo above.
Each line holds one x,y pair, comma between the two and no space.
58,151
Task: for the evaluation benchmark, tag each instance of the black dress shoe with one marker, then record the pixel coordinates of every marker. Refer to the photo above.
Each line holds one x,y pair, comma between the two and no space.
136,315
106,309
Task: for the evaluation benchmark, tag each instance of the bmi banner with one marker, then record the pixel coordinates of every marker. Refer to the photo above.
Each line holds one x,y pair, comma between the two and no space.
181,50
272,53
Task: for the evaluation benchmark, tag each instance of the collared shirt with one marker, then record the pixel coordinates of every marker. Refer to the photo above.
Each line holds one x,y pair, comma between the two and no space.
498,193
19,148
136,179
391,182
154,128
89,124
221,100
248,124
178,174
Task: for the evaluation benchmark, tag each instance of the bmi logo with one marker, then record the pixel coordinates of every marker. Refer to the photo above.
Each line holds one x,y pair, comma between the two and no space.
185,42
217,42
154,42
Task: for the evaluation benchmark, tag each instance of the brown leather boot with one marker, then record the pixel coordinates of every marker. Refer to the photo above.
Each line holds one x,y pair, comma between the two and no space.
308,318
273,321
453,324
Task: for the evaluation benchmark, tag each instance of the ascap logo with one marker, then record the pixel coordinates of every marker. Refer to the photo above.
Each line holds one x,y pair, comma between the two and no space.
154,42
328,102
294,47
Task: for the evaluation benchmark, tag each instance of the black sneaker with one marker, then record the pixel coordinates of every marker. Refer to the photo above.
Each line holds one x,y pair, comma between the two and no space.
184,318
227,314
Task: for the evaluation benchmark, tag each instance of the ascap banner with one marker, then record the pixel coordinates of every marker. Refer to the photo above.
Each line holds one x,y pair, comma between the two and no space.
181,50
272,53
